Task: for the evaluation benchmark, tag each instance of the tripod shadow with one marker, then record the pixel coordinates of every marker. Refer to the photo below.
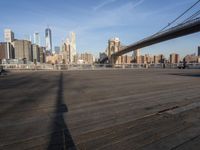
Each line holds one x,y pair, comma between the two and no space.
60,138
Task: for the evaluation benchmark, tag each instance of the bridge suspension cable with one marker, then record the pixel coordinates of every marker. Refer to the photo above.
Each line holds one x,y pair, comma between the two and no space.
169,24
192,17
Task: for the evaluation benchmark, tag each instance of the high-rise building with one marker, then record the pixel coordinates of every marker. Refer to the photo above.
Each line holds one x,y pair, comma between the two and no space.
36,38
174,58
66,52
126,59
73,46
22,49
35,53
161,58
87,58
155,59
8,35
137,57
57,49
4,48
76,58
54,59
137,53
73,40
199,51
42,54
148,59
48,40
191,59
158,59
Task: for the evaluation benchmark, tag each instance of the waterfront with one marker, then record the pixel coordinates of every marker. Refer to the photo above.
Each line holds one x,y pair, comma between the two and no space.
104,109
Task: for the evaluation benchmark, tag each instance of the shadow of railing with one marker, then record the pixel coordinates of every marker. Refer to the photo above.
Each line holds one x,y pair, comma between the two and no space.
60,138
195,75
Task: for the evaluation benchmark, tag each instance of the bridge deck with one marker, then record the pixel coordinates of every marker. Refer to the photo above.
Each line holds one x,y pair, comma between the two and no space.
118,109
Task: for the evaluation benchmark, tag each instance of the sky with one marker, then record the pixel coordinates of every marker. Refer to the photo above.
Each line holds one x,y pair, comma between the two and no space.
96,21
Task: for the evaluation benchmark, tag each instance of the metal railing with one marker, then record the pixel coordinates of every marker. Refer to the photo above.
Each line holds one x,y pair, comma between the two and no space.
95,66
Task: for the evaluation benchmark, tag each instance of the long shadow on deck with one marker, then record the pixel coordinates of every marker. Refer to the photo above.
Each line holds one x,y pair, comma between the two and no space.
61,138
187,74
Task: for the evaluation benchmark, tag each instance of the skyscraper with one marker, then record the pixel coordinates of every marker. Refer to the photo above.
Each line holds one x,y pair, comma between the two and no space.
35,53
4,48
8,38
137,57
73,40
66,49
57,49
174,58
48,39
8,35
199,51
87,58
36,38
73,46
137,53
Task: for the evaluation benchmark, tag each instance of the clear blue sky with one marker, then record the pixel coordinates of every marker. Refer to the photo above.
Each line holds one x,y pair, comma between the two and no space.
95,21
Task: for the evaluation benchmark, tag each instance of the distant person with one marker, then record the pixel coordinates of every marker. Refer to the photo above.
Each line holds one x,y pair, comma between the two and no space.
184,64
53,65
163,65
2,70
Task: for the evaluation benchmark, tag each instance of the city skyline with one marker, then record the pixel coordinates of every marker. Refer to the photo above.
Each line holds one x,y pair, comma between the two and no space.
129,20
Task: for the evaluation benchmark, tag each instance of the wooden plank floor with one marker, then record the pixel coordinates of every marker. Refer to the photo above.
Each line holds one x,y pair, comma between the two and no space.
104,110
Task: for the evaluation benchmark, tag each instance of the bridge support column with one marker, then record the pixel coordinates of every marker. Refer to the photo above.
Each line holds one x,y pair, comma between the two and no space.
113,60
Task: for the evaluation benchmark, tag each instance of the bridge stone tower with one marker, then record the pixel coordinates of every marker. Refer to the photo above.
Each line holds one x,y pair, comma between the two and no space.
113,47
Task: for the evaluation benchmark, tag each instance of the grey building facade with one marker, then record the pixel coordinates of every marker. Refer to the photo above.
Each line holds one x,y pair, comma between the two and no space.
6,50
22,50
35,53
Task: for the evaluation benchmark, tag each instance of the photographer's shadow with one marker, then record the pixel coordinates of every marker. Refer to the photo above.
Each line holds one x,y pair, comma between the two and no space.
60,138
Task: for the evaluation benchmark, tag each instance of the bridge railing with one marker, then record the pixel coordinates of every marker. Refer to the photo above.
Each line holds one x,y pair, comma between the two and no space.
95,66
27,66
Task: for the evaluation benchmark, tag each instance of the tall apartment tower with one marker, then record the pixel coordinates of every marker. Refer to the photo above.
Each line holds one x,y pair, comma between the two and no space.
174,58
198,51
36,38
137,57
66,49
73,40
8,38
8,35
73,46
48,39
137,53
5,49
